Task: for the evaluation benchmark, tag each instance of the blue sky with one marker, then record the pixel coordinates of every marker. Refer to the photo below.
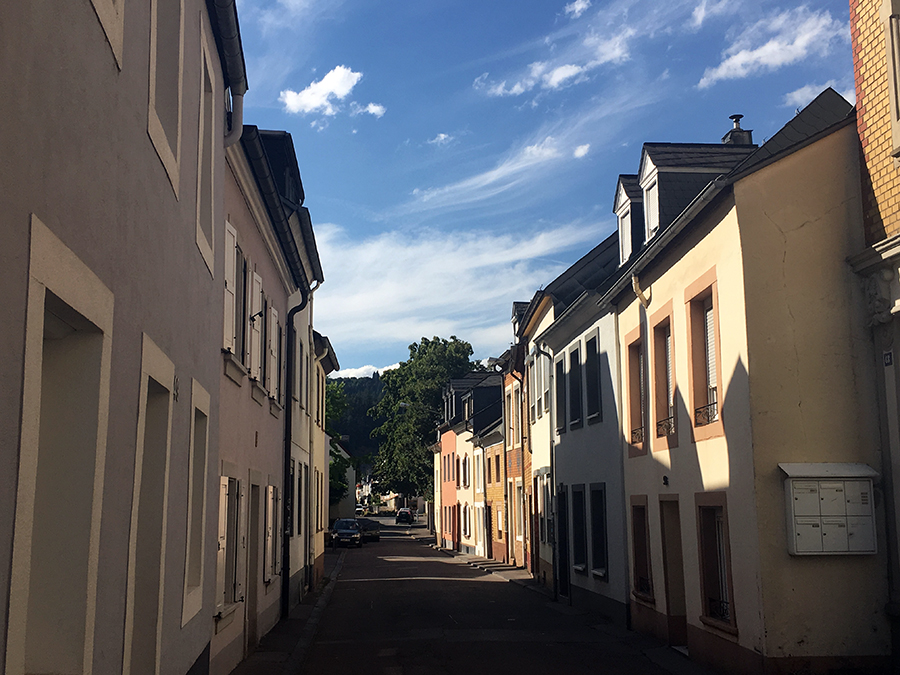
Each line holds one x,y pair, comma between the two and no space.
457,156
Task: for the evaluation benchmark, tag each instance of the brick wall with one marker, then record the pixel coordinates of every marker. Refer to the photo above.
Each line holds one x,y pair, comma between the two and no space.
880,180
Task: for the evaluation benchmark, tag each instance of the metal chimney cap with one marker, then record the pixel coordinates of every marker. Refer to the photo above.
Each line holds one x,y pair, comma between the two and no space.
737,120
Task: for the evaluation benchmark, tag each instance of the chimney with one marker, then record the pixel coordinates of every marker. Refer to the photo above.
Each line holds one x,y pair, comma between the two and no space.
738,136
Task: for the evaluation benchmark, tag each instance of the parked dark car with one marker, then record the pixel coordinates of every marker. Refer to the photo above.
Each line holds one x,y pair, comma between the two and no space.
346,531
404,516
371,529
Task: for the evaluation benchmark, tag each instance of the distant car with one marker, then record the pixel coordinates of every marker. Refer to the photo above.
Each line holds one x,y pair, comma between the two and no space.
359,509
371,529
404,516
346,531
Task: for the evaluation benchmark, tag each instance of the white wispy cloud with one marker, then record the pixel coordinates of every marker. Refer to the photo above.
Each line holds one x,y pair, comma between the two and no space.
800,97
405,285
708,9
581,150
780,40
320,96
577,8
440,139
362,371
372,109
561,75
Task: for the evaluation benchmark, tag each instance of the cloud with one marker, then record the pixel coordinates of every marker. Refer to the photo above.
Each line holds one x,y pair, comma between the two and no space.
403,285
557,77
800,97
440,139
577,8
581,151
319,97
707,10
362,371
372,109
777,41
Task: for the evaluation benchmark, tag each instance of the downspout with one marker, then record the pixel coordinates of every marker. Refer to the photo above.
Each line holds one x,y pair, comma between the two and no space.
288,508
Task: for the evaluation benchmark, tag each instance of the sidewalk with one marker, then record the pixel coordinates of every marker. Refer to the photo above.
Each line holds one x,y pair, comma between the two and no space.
282,649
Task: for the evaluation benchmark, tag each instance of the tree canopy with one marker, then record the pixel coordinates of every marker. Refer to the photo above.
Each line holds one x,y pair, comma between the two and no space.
412,406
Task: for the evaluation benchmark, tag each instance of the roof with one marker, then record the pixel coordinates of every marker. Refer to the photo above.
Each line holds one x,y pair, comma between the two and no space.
827,113
587,272
519,309
632,187
715,157
325,353
828,470
227,32
826,110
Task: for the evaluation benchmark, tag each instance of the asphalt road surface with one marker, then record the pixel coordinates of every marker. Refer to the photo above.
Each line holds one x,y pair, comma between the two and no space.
400,607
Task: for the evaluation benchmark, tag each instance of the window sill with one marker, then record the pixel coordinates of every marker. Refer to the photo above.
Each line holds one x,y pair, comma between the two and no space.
596,418
576,424
644,598
599,574
275,408
581,569
731,629
259,394
226,611
234,369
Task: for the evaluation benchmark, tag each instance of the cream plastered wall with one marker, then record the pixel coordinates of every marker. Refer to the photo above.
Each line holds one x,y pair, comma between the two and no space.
812,388
466,495
718,464
542,434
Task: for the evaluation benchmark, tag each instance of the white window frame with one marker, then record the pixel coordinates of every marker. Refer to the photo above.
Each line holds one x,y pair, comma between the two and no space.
168,149
196,511
208,135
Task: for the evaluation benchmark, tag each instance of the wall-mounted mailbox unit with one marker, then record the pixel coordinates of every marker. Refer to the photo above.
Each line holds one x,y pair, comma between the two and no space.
830,509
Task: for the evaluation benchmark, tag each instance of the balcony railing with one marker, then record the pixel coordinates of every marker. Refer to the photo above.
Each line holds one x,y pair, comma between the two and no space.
637,435
719,609
666,427
706,414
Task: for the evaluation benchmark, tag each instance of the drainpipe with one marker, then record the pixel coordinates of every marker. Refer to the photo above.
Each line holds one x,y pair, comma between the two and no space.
287,508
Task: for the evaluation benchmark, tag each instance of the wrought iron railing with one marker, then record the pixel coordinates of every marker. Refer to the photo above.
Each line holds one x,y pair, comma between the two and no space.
642,585
706,414
637,435
665,427
719,609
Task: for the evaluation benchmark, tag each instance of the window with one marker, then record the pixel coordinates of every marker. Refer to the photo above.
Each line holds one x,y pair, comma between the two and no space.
715,558
624,235
193,564
164,120
479,487
273,340
229,561
499,523
466,529
575,388
458,475
291,495
579,531
560,396
61,464
497,462
531,389
636,394
539,492
302,479
228,338
651,208
208,136
517,414
705,370
598,530
465,471
242,307
489,470
592,379
518,506
890,17
664,380
271,558
545,380
640,543
510,422
257,321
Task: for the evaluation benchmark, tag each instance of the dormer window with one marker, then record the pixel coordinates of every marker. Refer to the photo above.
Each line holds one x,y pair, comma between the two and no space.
624,235
651,209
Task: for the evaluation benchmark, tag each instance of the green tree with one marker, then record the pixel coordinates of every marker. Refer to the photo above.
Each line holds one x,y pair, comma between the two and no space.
335,406
338,487
412,406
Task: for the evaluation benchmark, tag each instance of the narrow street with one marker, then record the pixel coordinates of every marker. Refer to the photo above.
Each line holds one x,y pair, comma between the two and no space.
401,607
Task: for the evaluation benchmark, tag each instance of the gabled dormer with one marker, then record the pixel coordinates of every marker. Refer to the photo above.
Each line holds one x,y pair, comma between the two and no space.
629,210
648,179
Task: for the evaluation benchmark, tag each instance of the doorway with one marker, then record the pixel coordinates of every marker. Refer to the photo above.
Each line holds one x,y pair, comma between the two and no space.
562,541
253,571
673,572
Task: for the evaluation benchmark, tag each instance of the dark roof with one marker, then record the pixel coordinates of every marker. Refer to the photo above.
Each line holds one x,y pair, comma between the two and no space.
280,150
716,157
227,32
587,272
632,187
519,309
677,190
325,352
826,110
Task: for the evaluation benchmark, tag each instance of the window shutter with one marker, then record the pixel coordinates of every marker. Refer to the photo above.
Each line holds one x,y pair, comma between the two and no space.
710,350
670,391
222,543
272,370
230,286
256,326
240,546
270,531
